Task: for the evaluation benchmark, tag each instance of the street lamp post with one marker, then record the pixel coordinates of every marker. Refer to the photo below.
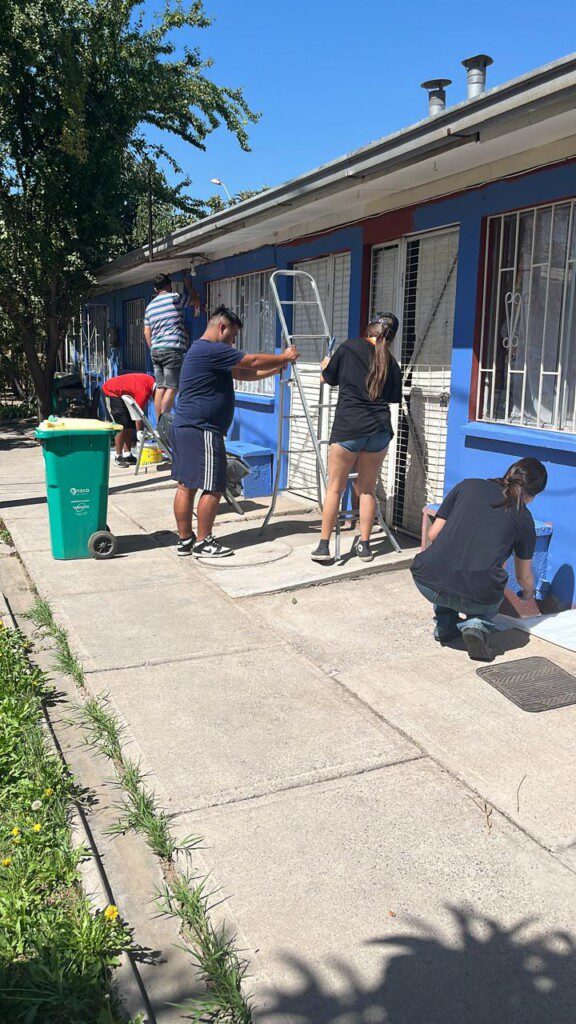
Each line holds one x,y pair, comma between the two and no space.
217,181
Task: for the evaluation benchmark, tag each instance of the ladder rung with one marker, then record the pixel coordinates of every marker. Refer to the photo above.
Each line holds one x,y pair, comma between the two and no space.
300,451
298,302
309,337
302,415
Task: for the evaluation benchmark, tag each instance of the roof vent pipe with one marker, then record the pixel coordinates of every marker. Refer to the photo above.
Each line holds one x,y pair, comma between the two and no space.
436,89
476,70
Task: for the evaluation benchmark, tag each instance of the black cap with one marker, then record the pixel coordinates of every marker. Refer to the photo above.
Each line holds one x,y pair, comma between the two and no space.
229,314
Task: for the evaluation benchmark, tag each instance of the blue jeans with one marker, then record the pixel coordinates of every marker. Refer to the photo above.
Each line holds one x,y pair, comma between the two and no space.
447,609
377,442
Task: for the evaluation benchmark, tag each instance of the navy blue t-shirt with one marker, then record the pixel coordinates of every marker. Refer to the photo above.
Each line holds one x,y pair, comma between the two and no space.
206,395
480,534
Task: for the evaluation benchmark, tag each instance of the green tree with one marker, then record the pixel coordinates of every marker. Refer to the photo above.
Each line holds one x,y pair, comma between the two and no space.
216,203
80,81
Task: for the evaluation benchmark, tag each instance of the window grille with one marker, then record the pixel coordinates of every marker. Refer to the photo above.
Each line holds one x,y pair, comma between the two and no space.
249,296
135,355
527,371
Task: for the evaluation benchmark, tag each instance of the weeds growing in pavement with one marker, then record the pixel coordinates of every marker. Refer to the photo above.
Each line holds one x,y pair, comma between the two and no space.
102,726
64,658
213,950
5,534
217,960
141,813
56,953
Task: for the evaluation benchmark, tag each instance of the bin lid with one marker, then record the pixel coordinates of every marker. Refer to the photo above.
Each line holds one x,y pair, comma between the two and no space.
56,425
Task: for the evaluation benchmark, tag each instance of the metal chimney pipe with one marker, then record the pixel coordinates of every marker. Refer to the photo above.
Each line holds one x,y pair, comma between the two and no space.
476,71
436,89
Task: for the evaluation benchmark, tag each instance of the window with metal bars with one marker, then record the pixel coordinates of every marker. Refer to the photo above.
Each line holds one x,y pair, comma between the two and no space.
250,297
135,354
527,366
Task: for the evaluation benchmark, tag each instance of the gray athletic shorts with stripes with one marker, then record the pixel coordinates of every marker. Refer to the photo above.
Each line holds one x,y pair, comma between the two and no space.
199,459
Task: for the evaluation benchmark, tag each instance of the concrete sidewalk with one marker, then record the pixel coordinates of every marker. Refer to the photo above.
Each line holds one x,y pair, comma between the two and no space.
396,840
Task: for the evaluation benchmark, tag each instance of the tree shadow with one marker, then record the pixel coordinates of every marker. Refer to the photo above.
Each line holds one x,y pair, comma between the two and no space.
486,973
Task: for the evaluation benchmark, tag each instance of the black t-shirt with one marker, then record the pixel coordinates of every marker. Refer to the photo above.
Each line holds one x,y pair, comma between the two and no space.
356,414
206,395
467,556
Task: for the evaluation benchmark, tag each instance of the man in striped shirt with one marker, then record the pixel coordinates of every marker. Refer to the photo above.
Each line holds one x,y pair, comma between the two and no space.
167,338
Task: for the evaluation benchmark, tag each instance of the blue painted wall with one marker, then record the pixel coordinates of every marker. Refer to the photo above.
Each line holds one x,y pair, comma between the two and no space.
487,449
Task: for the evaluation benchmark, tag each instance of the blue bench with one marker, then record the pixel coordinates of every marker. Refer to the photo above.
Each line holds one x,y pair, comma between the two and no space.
259,483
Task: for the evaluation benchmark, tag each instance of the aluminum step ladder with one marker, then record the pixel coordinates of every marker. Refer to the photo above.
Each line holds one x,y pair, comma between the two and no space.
292,378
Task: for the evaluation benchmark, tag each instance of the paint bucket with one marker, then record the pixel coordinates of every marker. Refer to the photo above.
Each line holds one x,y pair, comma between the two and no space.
151,454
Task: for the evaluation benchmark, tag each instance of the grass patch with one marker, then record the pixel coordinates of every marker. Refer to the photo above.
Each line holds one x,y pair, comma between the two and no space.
5,534
217,960
64,658
56,953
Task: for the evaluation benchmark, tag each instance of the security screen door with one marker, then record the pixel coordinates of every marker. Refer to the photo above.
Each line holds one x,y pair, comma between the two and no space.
416,279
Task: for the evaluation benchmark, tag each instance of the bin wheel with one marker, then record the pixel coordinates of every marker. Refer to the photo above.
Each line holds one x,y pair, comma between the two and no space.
103,545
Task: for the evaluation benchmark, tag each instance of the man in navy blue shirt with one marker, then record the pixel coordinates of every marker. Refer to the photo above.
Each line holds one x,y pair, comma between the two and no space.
205,412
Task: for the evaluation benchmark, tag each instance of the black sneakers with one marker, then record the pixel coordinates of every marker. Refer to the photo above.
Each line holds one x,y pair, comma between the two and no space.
363,550
185,546
447,638
211,548
119,460
477,644
322,552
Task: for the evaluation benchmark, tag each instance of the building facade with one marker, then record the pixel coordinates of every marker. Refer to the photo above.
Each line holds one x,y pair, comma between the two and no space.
469,236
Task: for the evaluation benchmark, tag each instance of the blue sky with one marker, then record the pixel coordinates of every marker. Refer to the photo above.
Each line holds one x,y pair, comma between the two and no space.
329,76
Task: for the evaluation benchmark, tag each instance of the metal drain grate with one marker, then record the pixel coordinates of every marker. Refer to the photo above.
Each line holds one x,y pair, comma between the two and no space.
533,684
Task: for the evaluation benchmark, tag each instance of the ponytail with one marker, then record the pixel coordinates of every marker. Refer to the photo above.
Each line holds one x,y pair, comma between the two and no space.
524,479
383,329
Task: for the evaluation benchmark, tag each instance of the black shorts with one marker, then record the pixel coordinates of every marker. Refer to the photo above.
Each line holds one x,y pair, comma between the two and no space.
119,412
198,459
167,363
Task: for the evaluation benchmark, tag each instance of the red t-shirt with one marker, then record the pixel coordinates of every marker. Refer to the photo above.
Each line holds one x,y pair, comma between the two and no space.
138,385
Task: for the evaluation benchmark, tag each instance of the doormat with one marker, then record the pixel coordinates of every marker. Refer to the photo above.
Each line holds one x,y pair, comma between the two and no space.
533,684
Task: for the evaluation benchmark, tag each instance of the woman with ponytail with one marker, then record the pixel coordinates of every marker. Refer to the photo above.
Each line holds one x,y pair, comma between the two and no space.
477,527
368,378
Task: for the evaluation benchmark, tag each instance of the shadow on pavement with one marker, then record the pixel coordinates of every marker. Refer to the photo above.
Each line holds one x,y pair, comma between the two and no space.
487,974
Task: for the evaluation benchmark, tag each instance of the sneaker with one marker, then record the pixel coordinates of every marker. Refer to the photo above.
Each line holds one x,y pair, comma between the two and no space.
184,547
322,552
211,548
130,460
120,461
363,550
454,634
477,644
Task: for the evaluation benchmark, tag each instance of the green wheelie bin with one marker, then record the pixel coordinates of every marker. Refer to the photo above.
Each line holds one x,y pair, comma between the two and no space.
77,464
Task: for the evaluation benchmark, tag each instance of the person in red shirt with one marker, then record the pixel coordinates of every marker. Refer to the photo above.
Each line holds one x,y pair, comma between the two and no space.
140,387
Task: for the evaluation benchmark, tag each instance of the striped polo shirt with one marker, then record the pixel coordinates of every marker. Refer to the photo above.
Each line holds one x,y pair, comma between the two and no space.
165,319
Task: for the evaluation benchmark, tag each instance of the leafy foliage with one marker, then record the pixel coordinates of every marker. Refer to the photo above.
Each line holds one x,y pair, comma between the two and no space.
55,951
80,81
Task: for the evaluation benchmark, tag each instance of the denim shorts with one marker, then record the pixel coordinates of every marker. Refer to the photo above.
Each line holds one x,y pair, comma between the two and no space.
167,363
370,443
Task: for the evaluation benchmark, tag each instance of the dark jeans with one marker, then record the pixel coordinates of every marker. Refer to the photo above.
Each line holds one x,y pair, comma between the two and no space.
447,609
